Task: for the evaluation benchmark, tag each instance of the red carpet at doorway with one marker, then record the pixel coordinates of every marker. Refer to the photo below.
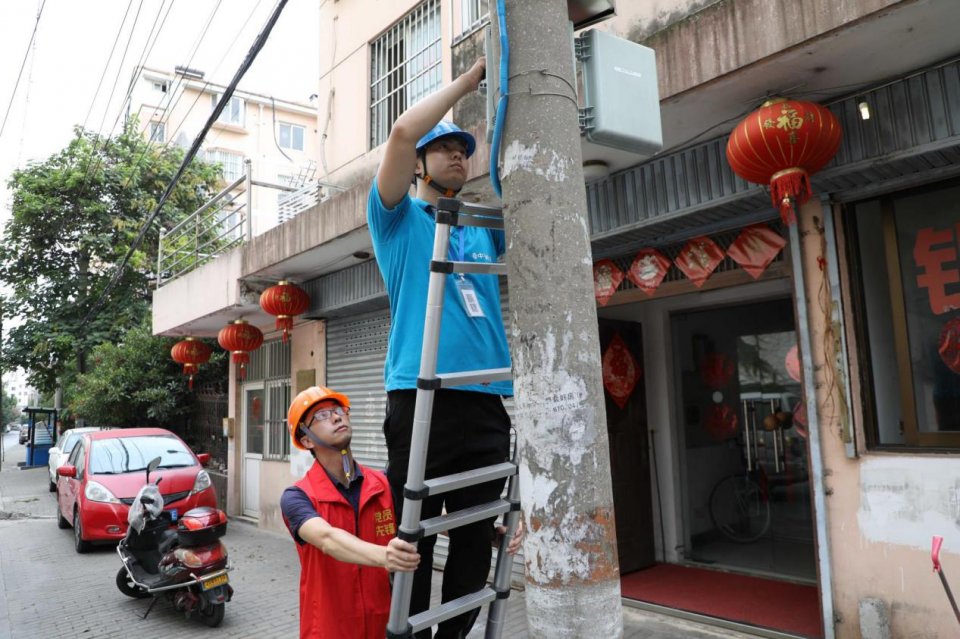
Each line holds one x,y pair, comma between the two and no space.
785,606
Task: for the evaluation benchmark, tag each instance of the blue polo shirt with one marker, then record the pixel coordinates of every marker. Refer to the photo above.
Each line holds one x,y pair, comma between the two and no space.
403,243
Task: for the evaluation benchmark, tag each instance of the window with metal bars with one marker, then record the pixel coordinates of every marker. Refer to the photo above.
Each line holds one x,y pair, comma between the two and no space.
472,12
405,66
271,365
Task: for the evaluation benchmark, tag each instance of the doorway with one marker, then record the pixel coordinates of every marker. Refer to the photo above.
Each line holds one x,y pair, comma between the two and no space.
746,490
254,420
621,348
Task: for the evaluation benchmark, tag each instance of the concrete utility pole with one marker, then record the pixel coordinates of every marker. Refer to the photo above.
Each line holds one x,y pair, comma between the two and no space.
573,583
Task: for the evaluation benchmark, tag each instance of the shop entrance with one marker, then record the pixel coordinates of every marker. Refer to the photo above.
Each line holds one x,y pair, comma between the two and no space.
742,428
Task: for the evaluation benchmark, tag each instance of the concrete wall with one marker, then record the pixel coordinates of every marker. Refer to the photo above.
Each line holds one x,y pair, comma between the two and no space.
701,40
882,508
209,289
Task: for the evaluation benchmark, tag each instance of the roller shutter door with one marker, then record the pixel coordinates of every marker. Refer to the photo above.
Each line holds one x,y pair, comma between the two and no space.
356,352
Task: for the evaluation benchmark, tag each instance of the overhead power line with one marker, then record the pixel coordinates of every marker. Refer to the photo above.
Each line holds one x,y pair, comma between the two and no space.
107,65
22,65
191,153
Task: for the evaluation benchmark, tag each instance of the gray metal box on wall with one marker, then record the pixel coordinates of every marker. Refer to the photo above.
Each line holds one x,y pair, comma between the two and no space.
621,96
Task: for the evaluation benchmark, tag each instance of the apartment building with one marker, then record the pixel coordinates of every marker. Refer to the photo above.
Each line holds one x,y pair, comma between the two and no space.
277,136
790,438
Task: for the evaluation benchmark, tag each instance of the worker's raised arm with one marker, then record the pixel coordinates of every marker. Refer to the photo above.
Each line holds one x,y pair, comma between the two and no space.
397,556
399,163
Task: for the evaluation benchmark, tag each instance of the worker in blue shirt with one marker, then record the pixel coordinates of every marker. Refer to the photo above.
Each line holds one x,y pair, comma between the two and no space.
470,427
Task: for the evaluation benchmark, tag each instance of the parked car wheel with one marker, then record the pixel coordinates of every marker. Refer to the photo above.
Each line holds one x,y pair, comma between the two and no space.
52,487
79,544
127,587
62,523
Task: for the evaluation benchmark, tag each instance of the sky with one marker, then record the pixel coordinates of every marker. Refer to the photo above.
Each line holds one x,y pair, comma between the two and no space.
72,47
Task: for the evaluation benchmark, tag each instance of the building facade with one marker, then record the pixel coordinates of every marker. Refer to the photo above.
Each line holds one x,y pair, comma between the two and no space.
277,136
789,417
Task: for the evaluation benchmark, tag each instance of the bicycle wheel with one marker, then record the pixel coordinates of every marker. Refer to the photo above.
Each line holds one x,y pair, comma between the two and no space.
740,509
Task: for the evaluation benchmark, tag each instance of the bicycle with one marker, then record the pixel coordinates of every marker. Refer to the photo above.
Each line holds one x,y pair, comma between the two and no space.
740,507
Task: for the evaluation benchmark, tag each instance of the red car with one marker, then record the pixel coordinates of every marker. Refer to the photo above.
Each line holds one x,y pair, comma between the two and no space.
100,480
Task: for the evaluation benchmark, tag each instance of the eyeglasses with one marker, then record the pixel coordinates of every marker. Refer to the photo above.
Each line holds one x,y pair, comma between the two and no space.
326,414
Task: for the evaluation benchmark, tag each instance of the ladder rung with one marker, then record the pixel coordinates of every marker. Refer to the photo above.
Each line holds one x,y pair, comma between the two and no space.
484,221
490,268
440,485
464,517
451,609
464,378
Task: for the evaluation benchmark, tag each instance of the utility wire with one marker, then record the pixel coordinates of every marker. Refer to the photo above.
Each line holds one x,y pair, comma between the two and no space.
95,153
170,137
173,102
191,152
22,65
107,65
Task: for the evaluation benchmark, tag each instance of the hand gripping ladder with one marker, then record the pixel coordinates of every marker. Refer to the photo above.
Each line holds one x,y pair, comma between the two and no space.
451,212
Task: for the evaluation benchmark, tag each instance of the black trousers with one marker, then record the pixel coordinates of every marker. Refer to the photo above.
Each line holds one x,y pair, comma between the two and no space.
468,430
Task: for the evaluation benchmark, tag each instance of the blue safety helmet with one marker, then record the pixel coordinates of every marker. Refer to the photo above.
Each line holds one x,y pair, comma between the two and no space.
445,129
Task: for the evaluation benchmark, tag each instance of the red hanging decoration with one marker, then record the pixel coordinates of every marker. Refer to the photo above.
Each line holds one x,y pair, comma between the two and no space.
191,353
721,422
755,248
781,144
648,270
620,371
716,370
698,259
792,363
607,277
239,338
949,344
284,300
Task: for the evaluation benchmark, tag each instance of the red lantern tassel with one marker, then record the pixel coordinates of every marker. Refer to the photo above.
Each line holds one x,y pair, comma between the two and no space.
241,359
789,187
190,383
284,323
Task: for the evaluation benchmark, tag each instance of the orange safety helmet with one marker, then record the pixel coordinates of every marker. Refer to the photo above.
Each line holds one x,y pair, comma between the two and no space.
304,401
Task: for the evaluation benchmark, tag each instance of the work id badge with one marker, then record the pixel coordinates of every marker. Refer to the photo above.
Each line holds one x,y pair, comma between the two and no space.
468,295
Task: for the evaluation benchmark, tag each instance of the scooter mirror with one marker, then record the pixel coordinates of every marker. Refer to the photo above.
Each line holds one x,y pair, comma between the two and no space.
152,466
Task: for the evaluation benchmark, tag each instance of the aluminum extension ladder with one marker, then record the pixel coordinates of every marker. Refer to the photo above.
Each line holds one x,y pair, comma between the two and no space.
452,212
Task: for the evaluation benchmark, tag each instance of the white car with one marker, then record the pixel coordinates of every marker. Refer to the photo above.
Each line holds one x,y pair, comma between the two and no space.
60,452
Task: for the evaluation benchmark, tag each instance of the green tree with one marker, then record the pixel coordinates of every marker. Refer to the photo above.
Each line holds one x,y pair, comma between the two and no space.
136,383
11,412
74,217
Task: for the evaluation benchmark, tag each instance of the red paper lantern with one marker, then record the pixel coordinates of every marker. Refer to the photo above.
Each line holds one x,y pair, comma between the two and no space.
781,144
284,300
239,338
191,353
721,422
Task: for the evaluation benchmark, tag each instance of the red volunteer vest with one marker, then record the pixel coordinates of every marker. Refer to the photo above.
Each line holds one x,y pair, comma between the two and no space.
340,600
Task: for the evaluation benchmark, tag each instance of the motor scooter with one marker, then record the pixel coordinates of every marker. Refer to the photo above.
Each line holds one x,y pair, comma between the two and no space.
187,565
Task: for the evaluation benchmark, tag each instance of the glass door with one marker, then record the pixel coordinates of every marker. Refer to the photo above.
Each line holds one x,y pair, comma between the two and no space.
254,420
746,488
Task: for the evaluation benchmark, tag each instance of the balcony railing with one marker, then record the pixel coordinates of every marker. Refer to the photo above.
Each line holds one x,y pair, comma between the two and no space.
227,221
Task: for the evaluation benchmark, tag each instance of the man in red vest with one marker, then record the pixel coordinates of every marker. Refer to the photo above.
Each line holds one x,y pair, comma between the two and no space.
341,516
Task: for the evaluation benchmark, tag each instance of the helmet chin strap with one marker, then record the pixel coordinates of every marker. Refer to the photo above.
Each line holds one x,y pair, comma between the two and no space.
344,452
429,181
